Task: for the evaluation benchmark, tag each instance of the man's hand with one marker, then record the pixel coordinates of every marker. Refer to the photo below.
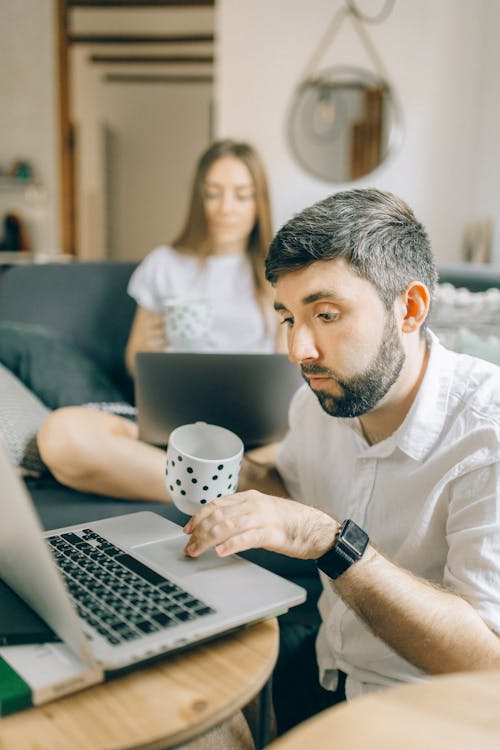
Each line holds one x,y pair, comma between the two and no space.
251,519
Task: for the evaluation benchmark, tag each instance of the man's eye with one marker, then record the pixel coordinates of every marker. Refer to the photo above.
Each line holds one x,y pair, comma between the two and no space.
328,317
286,322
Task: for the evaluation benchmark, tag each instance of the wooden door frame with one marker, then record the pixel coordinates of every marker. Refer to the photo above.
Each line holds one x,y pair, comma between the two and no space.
66,134
67,160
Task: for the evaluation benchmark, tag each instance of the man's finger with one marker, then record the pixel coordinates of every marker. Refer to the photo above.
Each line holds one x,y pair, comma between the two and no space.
211,508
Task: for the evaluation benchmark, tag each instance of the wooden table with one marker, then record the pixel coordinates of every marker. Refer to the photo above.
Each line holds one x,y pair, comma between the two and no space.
460,711
170,702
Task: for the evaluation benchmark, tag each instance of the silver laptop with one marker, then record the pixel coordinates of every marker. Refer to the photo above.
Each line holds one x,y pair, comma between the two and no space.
247,393
120,591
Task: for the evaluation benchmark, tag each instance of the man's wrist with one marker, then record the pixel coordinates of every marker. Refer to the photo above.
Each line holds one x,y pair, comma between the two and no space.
348,548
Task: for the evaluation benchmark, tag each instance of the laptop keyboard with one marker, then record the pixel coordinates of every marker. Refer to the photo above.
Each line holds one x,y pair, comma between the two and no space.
115,593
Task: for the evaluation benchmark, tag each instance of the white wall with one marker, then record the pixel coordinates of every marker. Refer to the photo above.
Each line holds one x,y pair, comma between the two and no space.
487,194
443,58
440,57
28,121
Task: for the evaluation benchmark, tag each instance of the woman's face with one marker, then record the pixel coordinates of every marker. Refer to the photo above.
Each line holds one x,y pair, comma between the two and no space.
229,202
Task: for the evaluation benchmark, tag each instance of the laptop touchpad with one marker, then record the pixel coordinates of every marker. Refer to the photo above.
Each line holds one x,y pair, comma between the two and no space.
169,557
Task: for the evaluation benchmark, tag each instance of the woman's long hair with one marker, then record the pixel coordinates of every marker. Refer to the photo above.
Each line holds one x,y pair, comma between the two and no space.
194,238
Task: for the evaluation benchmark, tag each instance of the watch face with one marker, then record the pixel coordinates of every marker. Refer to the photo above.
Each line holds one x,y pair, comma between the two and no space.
350,544
354,538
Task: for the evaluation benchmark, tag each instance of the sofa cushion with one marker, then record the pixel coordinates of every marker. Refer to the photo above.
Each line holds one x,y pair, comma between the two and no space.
51,368
21,414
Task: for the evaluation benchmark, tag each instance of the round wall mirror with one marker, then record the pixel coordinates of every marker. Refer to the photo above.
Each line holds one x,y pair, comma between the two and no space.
343,123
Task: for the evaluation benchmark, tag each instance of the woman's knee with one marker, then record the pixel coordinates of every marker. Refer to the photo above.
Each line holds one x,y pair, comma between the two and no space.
65,437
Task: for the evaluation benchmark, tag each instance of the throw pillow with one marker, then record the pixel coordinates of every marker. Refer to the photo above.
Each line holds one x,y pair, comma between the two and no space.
53,369
21,414
455,308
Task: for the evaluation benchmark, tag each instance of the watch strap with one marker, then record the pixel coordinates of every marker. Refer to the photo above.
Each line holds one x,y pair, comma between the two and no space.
350,544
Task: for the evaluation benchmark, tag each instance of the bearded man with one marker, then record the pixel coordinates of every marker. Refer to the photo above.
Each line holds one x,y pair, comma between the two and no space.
391,467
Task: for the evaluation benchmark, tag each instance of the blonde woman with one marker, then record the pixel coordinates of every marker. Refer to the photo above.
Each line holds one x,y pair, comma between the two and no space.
219,255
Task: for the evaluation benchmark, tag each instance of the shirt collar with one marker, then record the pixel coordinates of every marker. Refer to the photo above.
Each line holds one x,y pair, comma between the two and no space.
424,422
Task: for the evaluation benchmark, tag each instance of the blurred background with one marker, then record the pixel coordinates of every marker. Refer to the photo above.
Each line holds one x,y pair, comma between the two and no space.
106,106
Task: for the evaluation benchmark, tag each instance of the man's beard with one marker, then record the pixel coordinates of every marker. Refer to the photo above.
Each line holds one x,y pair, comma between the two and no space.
362,392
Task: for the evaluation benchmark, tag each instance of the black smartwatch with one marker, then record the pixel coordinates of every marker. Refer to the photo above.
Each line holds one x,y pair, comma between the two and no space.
350,544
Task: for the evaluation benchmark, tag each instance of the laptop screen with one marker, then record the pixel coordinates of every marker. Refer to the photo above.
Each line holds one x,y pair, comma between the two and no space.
247,393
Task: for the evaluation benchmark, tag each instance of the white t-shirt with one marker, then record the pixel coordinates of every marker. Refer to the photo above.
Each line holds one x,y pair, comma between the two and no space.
225,280
428,496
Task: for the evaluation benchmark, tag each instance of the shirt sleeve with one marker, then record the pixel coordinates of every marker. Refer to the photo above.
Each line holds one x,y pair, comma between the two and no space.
473,534
290,450
144,284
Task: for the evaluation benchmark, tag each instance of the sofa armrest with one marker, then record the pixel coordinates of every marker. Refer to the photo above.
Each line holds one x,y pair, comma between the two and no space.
478,277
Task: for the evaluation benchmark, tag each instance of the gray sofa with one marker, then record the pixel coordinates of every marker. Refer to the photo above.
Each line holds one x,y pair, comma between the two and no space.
87,306
476,277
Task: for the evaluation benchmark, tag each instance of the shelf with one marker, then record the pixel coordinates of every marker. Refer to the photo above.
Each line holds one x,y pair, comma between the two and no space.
16,183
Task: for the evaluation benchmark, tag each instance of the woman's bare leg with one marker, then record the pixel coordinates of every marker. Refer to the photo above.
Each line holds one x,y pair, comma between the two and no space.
98,452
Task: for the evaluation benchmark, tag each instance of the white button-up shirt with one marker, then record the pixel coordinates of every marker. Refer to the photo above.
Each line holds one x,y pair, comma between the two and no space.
428,496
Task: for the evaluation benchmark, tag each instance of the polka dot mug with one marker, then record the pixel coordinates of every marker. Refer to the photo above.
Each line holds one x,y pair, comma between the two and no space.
187,323
203,463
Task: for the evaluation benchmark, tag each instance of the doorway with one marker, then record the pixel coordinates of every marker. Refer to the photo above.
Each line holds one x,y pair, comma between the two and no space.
140,91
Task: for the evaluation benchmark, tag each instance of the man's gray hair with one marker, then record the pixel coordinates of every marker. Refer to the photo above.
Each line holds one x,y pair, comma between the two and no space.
374,231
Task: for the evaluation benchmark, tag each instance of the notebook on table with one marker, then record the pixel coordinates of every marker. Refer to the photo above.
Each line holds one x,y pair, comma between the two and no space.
118,593
247,393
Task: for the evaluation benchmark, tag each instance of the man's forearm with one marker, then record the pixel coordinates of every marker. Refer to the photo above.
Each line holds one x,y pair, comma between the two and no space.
432,628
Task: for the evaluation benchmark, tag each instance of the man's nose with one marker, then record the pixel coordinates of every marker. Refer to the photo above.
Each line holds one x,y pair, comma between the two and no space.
302,345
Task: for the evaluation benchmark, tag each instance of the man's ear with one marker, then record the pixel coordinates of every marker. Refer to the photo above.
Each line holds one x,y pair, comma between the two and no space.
416,301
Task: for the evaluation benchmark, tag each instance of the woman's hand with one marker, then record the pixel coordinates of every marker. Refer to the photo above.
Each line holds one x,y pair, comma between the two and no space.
146,335
251,519
153,332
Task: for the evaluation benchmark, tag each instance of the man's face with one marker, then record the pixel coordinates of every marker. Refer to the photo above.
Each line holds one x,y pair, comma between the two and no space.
339,332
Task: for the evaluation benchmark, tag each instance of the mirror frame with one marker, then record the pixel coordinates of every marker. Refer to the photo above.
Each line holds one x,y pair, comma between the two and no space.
345,74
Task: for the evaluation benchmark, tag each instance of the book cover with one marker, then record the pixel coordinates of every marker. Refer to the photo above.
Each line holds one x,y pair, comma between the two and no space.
37,673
